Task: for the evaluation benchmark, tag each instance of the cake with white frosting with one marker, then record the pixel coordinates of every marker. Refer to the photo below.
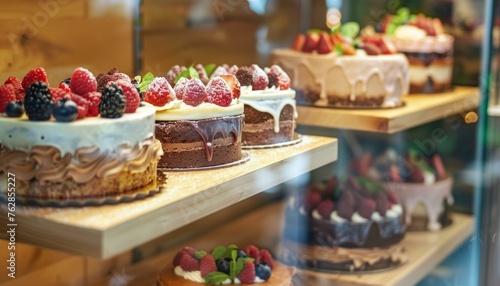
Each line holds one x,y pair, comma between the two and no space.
198,125
347,226
225,266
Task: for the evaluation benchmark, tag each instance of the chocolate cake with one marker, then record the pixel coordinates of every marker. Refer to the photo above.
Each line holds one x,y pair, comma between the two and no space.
351,226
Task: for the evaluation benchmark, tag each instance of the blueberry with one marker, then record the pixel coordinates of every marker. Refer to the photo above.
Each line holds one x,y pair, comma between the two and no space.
14,109
223,265
241,253
65,110
263,271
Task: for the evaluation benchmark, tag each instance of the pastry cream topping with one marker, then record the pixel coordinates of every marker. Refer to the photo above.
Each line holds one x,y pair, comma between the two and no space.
194,276
178,110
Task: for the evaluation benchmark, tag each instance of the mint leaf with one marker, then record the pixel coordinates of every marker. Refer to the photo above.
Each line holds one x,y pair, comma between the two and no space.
403,13
350,29
232,265
200,254
209,69
338,49
138,78
182,74
391,28
143,86
218,252
229,250
193,73
148,77
216,278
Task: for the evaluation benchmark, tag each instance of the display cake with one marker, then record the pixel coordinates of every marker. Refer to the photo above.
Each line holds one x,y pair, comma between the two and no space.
348,226
420,182
69,142
198,125
345,69
428,47
225,265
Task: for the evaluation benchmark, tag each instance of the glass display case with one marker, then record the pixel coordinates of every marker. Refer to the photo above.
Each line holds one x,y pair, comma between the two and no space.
446,236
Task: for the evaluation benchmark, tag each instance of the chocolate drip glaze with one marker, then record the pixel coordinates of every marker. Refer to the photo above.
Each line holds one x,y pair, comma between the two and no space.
209,128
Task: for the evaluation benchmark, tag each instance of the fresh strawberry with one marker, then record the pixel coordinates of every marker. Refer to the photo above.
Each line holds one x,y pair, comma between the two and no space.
218,92
277,77
325,208
189,263
159,92
375,39
83,105
131,95
253,252
311,43
266,257
94,98
324,45
247,275
34,75
421,21
20,92
387,47
195,92
312,200
371,49
82,81
439,167
202,73
7,94
233,83
207,265
58,93
367,207
259,78
173,73
180,87
219,71
299,42
417,175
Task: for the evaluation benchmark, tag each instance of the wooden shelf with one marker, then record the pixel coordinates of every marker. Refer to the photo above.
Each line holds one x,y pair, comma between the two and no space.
419,109
109,230
264,227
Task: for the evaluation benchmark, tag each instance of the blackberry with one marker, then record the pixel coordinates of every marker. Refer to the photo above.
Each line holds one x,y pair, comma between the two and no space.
134,82
113,102
38,102
244,76
66,81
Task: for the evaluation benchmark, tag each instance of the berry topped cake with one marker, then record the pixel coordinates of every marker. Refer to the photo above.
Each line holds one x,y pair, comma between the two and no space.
428,48
347,226
68,142
421,183
198,125
270,107
225,265
343,69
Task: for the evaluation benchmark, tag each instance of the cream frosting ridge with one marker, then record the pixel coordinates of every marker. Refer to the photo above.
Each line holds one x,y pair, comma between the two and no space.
178,110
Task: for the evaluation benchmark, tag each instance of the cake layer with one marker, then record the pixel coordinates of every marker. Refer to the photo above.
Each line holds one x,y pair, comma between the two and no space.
318,76
427,44
200,143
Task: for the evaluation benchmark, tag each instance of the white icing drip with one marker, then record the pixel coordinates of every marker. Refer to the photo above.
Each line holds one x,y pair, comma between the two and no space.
336,218
258,280
227,281
236,281
376,217
194,276
131,128
271,106
398,209
429,178
391,214
357,218
316,215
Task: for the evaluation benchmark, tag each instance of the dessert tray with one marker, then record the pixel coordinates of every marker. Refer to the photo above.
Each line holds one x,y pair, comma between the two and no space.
325,104
244,158
297,138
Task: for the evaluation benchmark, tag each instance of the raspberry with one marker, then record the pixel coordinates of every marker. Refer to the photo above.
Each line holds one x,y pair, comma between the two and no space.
232,69
113,102
34,75
312,200
195,92
159,92
65,87
279,78
325,208
83,105
259,78
220,70
247,275
130,93
7,94
266,257
112,75
186,250
93,98
346,205
20,92
201,73
218,92
38,102
189,250
207,265
173,73
82,81
188,263
58,93
180,87
233,83
244,76
367,207
253,252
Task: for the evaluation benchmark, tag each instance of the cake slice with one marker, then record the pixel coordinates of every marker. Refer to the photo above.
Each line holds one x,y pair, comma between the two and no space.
225,265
